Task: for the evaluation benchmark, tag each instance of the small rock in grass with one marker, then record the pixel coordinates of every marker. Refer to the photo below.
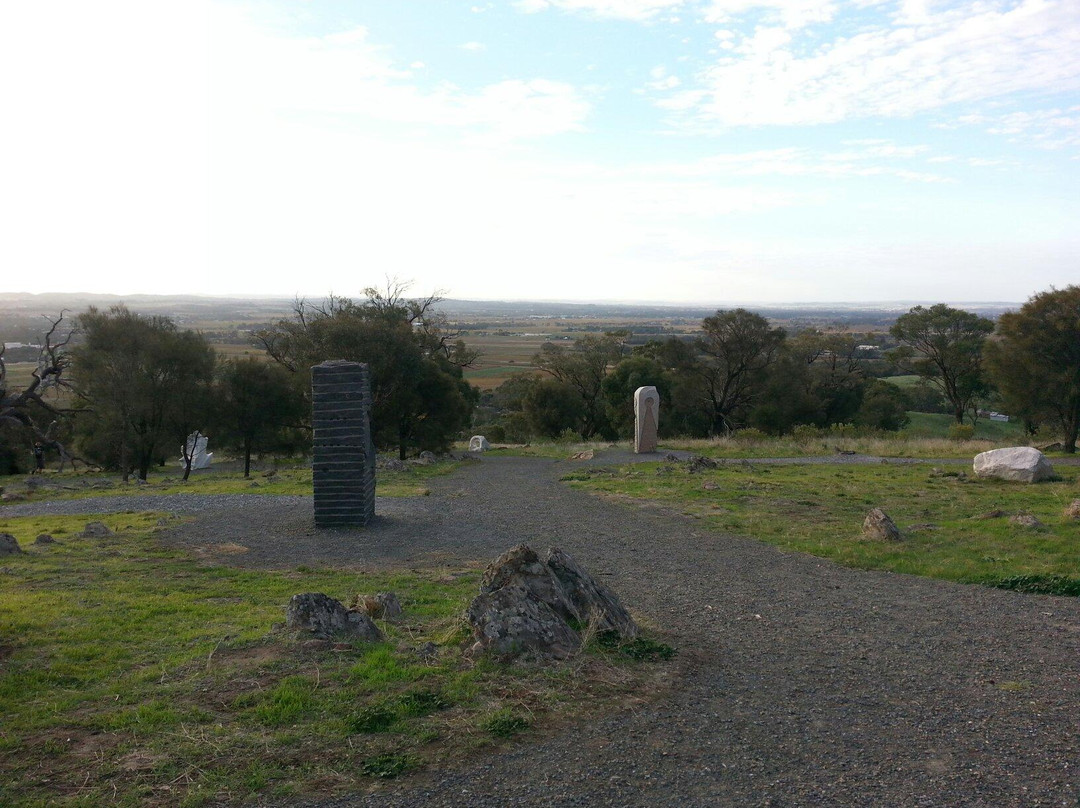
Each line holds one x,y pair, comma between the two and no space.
384,606
994,514
709,486
1025,520
96,530
426,458
588,454
1073,510
923,526
428,651
45,538
11,496
324,617
880,526
315,645
162,522
9,545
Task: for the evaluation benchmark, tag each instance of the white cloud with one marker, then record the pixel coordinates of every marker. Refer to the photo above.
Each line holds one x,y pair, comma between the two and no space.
638,10
977,51
472,46
257,73
789,13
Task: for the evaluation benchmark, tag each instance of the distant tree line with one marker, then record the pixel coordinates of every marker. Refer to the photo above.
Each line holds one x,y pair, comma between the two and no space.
739,372
139,385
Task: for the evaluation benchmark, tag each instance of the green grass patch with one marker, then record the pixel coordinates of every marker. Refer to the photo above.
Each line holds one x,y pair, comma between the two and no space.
132,674
505,723
819,509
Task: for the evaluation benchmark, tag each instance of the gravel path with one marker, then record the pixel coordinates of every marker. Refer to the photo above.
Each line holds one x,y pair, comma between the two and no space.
805,683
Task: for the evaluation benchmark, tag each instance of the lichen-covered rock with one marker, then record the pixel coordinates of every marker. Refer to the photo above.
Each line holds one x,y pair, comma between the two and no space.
45,538
594,602
9,545
521,566
512,620
1018,463
478,443
324,617
96,530
1072,510
527,605
879,525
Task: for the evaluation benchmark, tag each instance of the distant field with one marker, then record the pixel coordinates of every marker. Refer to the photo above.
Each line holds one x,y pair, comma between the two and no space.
903,381
932,425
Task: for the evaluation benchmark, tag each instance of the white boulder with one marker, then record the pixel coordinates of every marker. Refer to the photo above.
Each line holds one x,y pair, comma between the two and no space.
478,443
1019,463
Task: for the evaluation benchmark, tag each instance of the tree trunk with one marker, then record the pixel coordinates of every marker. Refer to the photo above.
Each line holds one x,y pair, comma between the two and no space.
187,466
958,413
1072,431
247,458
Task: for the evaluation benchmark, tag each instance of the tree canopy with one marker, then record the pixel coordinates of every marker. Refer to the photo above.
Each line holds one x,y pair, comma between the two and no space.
1035,360
945,346
420,400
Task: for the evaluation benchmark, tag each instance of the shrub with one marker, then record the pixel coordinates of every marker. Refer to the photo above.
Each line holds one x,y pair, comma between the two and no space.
750,435
959,432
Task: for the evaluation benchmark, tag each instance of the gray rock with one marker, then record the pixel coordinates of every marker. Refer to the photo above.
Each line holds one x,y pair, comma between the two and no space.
513,621
9,545
96,530
594,602
1072,510
529,606
478,443
522,567
427,458
879,525
11,496
1018,463
324,617
45,538
383,606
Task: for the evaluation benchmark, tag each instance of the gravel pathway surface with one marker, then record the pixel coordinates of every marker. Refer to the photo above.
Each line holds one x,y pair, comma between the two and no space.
803,684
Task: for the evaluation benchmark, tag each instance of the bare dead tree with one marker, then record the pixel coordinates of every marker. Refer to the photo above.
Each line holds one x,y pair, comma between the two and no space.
25,408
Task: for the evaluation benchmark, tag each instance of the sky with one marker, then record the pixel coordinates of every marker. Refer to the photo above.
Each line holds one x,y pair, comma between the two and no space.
705,151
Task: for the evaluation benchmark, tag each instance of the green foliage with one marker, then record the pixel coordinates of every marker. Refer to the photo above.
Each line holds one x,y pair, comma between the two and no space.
420,400
388,765
884,406
1035,361
944,346
582,369
639,648
258,407
553,407
961,432
146,386
505,723
737,348
621,384
1066,585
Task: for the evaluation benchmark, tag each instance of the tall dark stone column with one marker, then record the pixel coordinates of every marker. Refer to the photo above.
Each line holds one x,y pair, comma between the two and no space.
343,457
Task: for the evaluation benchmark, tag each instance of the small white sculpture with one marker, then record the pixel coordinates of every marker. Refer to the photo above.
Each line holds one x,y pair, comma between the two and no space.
196,450
646,418
478,443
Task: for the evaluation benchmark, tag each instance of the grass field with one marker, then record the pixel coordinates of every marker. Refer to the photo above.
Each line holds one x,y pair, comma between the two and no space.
819,510
134,675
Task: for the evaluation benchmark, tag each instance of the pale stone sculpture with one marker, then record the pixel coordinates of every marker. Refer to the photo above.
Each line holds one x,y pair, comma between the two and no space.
478,443
646,417
196,450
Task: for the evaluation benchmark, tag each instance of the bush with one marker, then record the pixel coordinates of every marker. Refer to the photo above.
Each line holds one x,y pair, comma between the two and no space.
960,432
750,435
496,433
803,433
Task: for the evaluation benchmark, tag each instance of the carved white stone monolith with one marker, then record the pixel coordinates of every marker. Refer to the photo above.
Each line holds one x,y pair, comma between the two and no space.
646,418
